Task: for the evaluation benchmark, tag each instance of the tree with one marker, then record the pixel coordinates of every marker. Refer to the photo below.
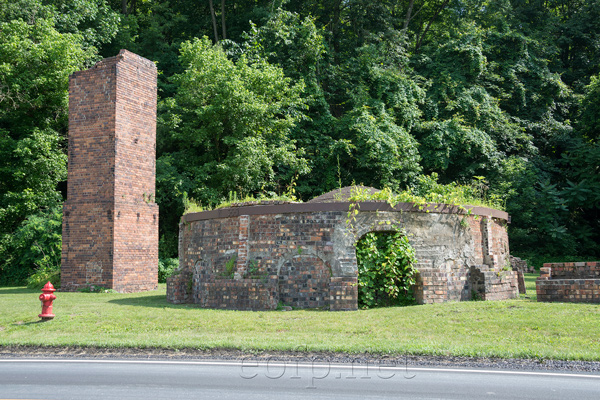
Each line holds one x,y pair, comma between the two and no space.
581,193
381,153
94,20
228,127
589,119
35,62
329,92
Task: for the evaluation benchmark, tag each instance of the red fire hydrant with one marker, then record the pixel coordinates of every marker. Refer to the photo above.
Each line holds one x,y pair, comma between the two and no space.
47,298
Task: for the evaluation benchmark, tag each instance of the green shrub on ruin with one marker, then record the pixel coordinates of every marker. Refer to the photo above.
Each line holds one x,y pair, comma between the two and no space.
386,270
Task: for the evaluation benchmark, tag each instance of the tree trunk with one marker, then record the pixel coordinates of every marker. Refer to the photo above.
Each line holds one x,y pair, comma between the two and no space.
422,36
335,25
408,14
223,26
214,20
124,7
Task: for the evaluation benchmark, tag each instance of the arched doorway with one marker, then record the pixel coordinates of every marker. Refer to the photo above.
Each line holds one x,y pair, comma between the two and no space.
386,269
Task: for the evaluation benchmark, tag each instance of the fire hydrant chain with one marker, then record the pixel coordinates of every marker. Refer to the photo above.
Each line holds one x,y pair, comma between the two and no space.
47,298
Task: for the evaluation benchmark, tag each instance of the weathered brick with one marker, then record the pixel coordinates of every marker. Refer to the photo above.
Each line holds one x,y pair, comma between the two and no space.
569,282
110,219
312,256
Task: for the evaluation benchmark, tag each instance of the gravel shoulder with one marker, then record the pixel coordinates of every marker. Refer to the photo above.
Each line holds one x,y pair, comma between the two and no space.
12,352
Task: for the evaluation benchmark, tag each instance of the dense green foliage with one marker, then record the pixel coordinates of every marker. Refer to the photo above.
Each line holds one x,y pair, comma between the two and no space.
317,94
35,62
228,126
166,267
386,269
34,245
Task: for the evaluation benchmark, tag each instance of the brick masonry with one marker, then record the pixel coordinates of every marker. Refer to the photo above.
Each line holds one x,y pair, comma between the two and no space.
241,294
309,249
343,293
110,219
576,282
520,267
304,282
490,284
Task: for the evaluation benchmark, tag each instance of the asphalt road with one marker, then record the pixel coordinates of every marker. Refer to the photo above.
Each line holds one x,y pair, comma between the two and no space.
139,379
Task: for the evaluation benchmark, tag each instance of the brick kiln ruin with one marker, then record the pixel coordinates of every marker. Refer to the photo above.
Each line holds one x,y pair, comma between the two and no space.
303,254
247,257
110,219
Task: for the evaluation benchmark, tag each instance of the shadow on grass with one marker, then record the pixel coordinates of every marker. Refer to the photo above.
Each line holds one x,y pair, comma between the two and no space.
30,323
155,301
320,309
17,290
160,301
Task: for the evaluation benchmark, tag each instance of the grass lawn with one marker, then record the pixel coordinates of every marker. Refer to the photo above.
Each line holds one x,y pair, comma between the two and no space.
518,328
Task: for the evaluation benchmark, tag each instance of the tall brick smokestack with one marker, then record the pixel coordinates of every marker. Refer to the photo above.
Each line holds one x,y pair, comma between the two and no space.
110,218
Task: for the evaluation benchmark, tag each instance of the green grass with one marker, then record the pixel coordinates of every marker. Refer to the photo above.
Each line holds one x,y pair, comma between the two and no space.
517,328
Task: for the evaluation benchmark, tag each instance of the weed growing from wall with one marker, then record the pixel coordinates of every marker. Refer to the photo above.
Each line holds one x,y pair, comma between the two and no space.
427,192
386,269
230,267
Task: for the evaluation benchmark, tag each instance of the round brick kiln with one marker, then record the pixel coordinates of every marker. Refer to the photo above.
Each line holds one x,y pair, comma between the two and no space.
253,256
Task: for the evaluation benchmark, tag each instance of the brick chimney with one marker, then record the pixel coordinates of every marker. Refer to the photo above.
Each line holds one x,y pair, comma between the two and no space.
110,218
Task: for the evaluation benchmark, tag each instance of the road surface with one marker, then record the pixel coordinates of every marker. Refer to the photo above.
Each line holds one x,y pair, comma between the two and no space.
151,379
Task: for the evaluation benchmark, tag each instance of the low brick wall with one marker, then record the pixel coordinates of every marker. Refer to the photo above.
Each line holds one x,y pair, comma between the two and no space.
241,294
577,282
574,270
304,282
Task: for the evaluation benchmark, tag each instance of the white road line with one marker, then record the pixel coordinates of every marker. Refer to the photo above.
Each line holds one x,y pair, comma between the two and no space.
258,363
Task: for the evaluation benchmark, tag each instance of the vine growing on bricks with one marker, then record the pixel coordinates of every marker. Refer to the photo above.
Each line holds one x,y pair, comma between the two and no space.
386,269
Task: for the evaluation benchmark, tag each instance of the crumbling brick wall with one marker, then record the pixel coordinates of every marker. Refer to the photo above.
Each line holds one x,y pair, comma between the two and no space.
489,284
576,282
310,250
